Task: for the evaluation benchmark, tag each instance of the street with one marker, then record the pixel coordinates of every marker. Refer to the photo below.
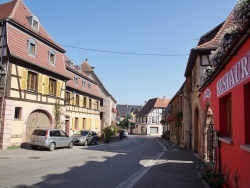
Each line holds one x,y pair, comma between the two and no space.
140,161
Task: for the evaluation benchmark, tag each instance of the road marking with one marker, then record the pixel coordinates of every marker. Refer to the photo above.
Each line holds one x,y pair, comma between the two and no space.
131,181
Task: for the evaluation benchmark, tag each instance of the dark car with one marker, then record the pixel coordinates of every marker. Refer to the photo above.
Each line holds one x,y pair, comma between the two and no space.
85,137
50,139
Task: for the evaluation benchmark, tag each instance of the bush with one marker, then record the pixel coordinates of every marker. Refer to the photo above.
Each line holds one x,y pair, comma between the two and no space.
213,178
109,131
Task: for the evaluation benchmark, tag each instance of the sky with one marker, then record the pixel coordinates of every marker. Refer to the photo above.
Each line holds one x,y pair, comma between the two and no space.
139,48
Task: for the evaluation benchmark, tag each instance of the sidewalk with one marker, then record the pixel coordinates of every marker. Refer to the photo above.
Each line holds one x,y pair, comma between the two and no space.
177,168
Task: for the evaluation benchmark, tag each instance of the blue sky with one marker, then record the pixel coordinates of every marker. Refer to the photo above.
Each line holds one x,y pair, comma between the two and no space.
165,27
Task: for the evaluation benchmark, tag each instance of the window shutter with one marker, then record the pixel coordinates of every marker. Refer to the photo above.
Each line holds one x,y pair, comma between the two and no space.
81,101
74,101
24,79
80,123
73,123
58,88
188,84
46,85
40,83
87,102
97,124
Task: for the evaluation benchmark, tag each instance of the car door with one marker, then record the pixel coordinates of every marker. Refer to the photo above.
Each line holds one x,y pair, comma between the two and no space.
90,138
94,137
64,139
55,137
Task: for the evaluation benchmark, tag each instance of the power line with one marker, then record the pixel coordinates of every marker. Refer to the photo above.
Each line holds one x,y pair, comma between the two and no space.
123,53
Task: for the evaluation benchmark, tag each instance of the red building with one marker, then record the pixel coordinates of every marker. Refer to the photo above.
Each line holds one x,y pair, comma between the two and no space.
226,97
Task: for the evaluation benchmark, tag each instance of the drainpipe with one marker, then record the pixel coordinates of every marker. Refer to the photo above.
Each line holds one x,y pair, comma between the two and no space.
5,71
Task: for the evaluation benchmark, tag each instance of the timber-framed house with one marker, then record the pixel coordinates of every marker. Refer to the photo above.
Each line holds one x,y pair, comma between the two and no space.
33,80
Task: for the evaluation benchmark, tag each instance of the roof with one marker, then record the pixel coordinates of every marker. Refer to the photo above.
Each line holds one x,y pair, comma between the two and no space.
206,47
18,31
90,70
152,104
124,110
18,13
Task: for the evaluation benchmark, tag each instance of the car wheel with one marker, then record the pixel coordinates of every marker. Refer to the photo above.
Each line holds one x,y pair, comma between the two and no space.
96,142
33,147
52,146
85,143
70,145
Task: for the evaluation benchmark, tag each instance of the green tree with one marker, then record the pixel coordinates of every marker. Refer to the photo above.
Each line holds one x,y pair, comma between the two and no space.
124,123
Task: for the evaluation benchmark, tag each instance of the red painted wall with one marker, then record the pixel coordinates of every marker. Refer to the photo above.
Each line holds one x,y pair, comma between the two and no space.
231,155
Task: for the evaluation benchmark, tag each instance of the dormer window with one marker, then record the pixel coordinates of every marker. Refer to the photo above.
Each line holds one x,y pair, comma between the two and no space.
34,22
79,69
89,85
32,47
76,80
83,83
52,57
71,64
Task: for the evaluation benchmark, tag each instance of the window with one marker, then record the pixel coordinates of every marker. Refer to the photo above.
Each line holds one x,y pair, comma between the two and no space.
246,113
32,47
77,100
32,81
89,85
83,83
90,103
52,86
226,111
76,81
84,102
35,23
52,56
76,123
18,111
67,98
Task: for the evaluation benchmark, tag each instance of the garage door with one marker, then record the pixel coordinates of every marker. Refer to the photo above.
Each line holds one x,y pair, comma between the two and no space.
37,119
153,130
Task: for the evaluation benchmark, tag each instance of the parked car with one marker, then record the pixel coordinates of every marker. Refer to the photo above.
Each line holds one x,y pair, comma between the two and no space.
50,139
84,138
125,133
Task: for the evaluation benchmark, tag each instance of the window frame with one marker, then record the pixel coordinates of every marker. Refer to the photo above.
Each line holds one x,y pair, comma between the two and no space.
35,23
50,54
32,81
18,113
52,86
32,47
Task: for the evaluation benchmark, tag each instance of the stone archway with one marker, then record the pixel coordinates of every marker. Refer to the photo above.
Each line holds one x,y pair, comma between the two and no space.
37,119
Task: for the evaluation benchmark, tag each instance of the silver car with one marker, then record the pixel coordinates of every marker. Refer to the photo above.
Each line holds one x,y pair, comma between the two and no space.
85,137
50,139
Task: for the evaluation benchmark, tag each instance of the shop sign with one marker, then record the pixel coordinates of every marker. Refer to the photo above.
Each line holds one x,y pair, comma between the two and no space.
207,94
237,74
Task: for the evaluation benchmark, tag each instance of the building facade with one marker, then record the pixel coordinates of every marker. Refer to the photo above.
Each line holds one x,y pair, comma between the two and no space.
148,120
36,79
225,102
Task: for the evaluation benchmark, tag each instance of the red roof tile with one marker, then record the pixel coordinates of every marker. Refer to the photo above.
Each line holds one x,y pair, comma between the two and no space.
150,105
18,12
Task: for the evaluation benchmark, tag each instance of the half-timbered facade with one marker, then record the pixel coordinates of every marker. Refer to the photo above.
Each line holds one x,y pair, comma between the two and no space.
148,119
34,81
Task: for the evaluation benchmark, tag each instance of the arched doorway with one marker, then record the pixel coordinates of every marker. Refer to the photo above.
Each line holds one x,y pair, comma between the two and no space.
197,131
37,119
209,147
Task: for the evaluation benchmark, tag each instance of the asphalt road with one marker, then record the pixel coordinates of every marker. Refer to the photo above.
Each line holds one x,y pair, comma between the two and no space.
133,162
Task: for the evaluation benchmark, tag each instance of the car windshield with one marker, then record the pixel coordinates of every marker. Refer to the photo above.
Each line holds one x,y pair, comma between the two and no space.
83,133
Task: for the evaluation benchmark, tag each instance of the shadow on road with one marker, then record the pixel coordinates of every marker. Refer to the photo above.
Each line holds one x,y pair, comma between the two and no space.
172,170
